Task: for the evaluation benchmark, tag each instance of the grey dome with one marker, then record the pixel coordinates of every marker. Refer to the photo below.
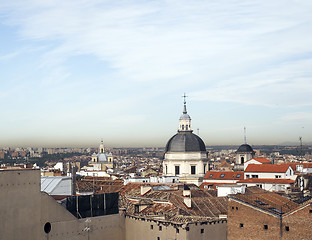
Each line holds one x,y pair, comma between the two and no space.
102,157
245,148
185,116
185,141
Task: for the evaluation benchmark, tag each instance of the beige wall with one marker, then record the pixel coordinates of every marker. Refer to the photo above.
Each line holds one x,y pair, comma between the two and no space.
24,211
140,229
20,204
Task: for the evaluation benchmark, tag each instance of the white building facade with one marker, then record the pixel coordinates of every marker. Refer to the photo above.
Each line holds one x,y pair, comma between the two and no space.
185,154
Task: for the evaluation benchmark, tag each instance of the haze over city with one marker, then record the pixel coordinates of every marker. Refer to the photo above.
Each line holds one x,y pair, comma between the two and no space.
73,73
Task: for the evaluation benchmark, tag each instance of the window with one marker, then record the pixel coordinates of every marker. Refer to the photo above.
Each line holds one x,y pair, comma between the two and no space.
310,211
202,231
187,229
47,227
278,176
160,228
241,225
158,238
247,176
166,169
177,170
204,168
238,175
186,127
233,208
152,227
177,230
287,228
265,227
193,169
254,176
136,209
210,175
259,185
236,208
182,127
242,160
222,175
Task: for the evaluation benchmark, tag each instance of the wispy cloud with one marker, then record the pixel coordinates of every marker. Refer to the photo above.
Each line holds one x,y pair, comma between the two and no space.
243,52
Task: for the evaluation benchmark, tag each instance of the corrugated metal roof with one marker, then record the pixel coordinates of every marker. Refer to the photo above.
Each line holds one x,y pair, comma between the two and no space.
49,184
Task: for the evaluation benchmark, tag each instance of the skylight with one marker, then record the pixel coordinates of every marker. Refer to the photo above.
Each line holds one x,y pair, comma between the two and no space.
261,203
276,210
222,175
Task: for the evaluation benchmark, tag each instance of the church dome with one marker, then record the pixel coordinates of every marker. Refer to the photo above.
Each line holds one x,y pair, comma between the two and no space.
245,148
185,116
102,157
185,141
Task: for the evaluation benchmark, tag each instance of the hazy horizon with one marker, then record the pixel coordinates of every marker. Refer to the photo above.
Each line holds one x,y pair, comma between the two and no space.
76,72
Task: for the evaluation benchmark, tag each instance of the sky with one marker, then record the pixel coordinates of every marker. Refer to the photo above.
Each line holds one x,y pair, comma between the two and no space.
75,72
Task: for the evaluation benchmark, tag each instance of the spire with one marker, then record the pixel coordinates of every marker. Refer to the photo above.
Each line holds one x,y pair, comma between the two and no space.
184,109
245,139
185,119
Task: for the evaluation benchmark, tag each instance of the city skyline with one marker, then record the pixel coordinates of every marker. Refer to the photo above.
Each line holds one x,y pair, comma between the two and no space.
73,73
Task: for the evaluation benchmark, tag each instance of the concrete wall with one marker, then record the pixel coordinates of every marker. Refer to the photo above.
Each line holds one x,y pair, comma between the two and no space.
143,229
25,211
20,204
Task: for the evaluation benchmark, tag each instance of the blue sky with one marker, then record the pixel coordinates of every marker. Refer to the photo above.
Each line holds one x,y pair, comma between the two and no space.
73,72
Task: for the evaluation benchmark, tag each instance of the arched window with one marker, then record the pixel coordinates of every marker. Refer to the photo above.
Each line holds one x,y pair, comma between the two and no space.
182,127
242,160
186,127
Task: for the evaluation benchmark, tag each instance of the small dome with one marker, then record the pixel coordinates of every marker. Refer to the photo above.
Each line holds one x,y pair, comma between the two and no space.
185,116
102,157
245,148
185,142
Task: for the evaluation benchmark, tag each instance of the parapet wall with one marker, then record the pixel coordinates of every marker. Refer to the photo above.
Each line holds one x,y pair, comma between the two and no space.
140,228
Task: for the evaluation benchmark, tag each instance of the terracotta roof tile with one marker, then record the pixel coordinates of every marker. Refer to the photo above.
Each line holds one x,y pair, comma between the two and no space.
261,160
267,180
280,168
224,175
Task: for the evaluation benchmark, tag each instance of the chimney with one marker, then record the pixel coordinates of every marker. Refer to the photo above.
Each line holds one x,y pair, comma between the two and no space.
187,198
145,189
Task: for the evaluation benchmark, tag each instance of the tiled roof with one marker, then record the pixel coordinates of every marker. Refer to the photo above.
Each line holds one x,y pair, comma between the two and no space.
293,165
267,180
98,185
261,160
224,175
213,184
269,201
280,168
170,203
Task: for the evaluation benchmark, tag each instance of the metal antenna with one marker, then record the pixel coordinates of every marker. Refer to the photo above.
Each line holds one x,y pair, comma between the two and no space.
301,150
245,138
198,131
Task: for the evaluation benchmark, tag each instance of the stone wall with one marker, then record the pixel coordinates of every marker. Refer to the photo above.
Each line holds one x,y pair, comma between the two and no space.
142,229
